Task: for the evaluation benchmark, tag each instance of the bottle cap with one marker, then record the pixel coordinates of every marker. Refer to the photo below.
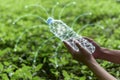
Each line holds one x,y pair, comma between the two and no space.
50,20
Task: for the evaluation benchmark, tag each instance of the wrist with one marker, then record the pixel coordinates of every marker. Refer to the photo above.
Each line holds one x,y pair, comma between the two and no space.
104,53
89,61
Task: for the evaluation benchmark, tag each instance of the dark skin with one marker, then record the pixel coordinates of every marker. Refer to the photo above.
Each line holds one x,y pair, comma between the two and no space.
76,54
89,60
105,54
98,50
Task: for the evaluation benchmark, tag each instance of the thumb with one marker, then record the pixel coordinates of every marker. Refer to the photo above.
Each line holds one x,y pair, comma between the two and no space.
92,41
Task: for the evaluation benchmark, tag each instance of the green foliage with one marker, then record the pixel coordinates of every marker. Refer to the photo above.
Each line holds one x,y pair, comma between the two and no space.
29,51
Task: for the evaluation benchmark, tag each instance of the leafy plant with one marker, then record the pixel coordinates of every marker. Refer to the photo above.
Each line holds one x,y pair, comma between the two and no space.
29,51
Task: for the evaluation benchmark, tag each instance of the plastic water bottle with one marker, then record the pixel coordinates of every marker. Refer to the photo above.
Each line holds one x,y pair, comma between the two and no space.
64,32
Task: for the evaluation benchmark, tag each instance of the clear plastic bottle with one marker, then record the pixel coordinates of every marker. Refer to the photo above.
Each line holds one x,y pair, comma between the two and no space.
64,32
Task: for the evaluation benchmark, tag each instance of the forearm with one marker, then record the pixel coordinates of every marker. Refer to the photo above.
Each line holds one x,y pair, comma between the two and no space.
110,55
99,71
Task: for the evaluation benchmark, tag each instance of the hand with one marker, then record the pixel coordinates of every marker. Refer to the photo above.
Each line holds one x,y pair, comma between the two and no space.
98,50
82,55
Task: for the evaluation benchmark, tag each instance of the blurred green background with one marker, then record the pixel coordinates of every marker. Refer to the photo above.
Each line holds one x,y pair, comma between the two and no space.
29,51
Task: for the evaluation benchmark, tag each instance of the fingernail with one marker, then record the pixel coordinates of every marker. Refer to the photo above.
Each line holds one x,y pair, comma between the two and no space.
76,41
64,41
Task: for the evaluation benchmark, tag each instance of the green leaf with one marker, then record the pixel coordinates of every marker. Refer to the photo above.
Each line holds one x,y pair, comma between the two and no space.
6,63
83,78
37,78
1,67
4,77
66,75
38,67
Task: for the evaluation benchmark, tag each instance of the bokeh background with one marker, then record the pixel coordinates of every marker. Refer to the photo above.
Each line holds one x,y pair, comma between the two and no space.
29,51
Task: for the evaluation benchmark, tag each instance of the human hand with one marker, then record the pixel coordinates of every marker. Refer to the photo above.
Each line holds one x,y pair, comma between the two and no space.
82,55
98,50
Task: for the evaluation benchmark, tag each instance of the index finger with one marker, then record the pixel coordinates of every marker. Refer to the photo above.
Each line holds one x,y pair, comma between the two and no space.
69,47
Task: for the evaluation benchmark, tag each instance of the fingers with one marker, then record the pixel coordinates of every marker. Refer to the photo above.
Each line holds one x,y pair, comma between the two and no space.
79,46
91,41
70,49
